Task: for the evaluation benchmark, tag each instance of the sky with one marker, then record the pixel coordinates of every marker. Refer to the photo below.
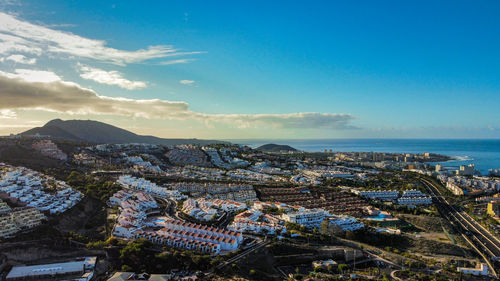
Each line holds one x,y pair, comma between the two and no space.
254,69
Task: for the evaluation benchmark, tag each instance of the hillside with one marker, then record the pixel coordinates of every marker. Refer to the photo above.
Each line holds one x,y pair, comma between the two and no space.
53,131
98,132
271,147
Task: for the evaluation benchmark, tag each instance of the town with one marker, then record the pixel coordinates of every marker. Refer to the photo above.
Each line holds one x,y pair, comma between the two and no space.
228,211
249,140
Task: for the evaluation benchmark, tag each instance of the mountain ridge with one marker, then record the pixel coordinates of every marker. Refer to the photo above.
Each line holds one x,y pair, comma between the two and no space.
99,132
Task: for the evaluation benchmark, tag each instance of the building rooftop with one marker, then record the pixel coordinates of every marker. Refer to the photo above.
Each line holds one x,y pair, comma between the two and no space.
53,268
130,276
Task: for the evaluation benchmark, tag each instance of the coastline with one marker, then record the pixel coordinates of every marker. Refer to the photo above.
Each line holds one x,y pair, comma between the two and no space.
483,153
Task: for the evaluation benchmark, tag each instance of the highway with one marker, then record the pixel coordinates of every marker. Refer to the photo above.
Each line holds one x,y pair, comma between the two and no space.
481,240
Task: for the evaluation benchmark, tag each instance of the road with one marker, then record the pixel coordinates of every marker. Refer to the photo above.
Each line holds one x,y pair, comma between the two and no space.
243,254
393,275
381,259
170,207
481,240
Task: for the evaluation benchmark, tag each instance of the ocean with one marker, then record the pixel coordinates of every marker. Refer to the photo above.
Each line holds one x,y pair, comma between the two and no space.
483,153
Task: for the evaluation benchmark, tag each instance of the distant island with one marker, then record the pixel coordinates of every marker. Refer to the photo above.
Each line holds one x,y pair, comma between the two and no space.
271,147
99,132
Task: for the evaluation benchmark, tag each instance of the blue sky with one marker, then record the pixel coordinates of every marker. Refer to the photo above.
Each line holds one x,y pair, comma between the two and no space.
394,68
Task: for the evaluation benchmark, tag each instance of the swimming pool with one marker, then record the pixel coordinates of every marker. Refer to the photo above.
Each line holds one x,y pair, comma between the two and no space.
379,217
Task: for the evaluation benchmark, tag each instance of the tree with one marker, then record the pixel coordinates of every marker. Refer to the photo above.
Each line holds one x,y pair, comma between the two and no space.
308,236
137,255
315,230
342,267
324,227
349,235
127,268
252,272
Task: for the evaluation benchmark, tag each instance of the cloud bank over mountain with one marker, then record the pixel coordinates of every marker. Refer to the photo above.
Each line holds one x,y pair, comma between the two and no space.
46,91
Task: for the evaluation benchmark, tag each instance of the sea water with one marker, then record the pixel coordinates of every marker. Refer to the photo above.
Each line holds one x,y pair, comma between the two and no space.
483,153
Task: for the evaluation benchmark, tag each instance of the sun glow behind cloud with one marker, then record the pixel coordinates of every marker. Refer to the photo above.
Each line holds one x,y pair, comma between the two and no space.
42,90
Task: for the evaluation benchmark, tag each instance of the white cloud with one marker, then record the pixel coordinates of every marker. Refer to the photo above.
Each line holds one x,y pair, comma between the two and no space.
17,58
179,61
29,75
186,82
25,91
7,114
20,91
21,36
109,78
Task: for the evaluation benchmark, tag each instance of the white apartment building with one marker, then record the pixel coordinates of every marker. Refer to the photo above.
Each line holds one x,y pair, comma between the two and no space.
81,270
455,189
226,239
19,219
414,201
255,226
378,194
249,221
128,181
119,197
345,223
307,217
134,208
468,170
413,193
229,205
200,209
4,208
414,197
27,187
180,242
8,227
